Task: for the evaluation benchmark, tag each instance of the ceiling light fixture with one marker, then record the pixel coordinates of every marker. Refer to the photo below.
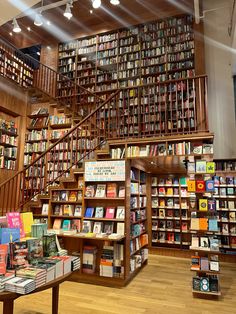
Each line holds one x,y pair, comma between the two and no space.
38,20
29,29
96,4
16,27
115,2
67,12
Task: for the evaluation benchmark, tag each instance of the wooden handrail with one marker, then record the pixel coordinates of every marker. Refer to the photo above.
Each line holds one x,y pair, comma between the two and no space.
63,137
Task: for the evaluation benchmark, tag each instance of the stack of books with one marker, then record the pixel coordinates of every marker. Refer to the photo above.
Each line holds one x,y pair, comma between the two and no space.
20,285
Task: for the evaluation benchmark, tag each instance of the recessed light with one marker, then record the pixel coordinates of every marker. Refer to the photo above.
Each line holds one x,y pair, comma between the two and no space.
48,47
91,11
28,28
10,34
38,53
48,23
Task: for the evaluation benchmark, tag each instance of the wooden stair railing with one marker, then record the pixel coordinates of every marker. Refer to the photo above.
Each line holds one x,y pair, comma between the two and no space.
30,73
56,162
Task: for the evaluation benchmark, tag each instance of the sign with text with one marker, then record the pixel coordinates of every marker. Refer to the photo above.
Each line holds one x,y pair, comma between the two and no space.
105,170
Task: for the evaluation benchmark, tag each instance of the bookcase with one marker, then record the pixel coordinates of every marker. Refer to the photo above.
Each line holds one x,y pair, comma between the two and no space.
93,215
14,68
8,142
142,54
225,195
205,234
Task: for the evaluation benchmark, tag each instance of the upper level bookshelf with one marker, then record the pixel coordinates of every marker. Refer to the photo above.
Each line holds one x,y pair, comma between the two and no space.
143,54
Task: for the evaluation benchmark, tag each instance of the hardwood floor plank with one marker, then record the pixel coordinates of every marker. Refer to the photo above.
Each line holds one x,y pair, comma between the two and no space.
162,287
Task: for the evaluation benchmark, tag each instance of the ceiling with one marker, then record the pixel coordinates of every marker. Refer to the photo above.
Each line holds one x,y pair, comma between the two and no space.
12,8
129,12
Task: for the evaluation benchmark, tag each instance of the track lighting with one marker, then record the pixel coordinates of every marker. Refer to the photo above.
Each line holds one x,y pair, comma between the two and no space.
115,2
67,12
16,27
38,20
96,4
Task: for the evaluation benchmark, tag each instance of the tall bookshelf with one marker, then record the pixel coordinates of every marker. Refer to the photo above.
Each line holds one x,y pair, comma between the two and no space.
143,54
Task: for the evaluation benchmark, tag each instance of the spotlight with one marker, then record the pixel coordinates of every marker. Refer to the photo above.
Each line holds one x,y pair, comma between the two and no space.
115,2
67,12
16,27
38,20
96,4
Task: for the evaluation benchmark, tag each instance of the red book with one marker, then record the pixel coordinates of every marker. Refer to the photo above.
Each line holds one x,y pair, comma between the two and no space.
200,186
111,190
110,212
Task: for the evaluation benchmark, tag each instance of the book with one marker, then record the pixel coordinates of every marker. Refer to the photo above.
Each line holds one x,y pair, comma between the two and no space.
18,254
78,211
63,196
212,224
111,190
89,212
203,204
72,196
14,221
57,224
100,190
90,190
110,212
201,166
200,186
75,225
99,212
195,262
203,224
35,249
108,227
204,263
194,225
191,185
45,209
120,228
204,242
97,227
27,222
68,210
86,226
214,243
211,205
120,212
210,167
66,225
121,191
49,245
161,213
209,185
3,258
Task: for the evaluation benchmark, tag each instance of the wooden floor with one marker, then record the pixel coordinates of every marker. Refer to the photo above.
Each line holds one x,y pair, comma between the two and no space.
163,286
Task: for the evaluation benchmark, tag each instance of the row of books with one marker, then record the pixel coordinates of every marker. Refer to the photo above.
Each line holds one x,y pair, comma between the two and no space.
8,125
204,224
137,260
166,225
108,212
103,228
39,122
206,284
7,139
204,263
67,196
109,190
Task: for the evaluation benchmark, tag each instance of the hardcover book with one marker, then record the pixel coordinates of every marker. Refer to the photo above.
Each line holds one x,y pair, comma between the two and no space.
110,212
75,225
195,262
111,190
99,212
14,221
101,190
120,212
45,209
90,190
200,186
86,226
66,225
210,186
108,227
97,227
191,185
203,204
57,224
211,205
210,167
212,224
201,166
63,196
204,242
89,212
72,196
78,211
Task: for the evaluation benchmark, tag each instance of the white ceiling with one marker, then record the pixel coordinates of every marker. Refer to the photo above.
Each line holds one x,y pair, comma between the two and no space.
11,8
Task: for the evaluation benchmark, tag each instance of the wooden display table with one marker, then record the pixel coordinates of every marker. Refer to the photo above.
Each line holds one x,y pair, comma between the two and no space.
8,298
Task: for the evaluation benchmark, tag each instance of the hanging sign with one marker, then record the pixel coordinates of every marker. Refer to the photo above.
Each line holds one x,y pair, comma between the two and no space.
112,170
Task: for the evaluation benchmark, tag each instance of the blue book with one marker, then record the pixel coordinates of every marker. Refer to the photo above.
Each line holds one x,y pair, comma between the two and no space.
89,212
66,225
210,186
212,224
8,235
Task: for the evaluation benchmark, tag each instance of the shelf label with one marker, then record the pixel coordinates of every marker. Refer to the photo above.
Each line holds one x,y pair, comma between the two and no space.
113,170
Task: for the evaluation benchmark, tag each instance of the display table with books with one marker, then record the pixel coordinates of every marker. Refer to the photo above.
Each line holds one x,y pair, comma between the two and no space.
8,298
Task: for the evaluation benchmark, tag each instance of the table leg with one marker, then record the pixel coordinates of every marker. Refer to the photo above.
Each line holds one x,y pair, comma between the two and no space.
8,306
55,298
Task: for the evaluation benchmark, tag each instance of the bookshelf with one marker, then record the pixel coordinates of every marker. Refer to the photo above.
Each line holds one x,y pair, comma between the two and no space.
143,54
225,195
8,142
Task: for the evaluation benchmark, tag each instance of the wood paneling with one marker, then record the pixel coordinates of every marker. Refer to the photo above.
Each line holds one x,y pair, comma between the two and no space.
108,17
163,286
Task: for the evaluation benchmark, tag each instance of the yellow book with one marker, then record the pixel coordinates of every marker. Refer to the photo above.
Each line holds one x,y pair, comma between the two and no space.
210,167
203,204
27,221
191,184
